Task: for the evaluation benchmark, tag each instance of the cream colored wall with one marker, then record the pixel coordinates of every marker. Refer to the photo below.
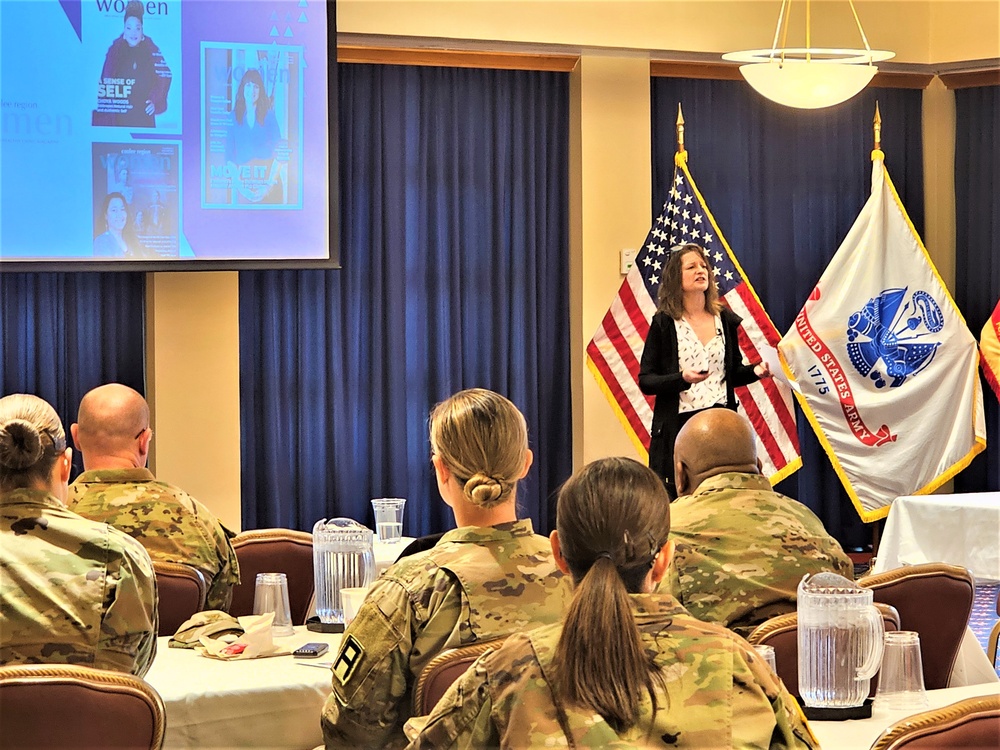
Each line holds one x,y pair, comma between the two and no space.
193,348
612,162
193,385
964,31
918,32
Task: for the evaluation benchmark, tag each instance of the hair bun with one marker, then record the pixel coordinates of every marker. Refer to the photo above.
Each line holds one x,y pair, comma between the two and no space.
20,445
486,491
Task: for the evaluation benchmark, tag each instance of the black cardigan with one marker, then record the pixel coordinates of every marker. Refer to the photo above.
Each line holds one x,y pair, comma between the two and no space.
660,376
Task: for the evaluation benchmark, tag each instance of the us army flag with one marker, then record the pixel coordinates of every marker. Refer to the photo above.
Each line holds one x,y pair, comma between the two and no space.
887,370
989,345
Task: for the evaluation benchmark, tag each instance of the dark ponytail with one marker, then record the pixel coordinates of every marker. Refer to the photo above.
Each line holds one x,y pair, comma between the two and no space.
613,517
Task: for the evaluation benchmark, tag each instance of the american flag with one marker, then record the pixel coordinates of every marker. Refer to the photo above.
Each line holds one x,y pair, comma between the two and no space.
613,354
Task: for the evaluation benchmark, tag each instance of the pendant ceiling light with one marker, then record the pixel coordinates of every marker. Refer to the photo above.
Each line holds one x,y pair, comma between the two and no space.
808,77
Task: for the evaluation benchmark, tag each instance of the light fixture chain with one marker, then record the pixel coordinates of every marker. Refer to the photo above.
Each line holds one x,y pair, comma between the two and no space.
781,18
857,20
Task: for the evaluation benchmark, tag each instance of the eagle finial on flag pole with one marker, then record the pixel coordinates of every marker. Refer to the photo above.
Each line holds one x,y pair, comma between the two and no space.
681,151
877,123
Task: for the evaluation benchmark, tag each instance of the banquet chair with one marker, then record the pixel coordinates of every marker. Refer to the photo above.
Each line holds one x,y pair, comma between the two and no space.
935,600
781,633
991,649
182,592
70,706
444,669
274,551
973,724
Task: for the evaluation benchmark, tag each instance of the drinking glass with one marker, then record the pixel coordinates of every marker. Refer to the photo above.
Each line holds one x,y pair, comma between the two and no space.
389,518
352,599
901,683
767,652
271,595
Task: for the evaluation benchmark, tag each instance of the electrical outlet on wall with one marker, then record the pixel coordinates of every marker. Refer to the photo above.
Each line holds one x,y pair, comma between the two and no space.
627,259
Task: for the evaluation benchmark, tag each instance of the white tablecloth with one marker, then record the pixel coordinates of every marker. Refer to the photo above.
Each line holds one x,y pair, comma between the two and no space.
261,703
959,529
387,552
860,734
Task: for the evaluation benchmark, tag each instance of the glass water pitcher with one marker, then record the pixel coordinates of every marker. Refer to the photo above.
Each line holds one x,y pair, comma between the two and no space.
343,557
840,634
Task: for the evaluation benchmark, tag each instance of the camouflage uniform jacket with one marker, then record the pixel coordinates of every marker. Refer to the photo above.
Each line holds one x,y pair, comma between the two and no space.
72,591
742,549
717,693
476,583
168,522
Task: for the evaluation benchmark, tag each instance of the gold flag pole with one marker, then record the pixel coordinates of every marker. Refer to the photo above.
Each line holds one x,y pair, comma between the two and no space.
681,155
876,525
877,123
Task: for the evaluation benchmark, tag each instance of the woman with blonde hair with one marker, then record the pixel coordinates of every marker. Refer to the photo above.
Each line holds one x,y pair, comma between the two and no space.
488,578
691,360
628,667
74,591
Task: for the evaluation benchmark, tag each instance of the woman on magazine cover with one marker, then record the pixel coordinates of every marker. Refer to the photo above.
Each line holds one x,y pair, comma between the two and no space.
251,143
112,243
133,56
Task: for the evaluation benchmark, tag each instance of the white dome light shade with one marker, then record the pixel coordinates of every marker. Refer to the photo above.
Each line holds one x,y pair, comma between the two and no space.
807,85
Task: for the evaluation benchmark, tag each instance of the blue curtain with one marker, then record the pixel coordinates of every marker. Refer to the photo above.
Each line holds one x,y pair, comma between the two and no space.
454,243
62,334
785,185
977,241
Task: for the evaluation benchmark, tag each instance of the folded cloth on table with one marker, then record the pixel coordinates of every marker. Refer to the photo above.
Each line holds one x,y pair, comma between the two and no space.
256,641
211,623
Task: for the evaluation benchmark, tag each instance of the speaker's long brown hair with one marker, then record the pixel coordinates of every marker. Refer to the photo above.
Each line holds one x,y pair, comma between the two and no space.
670,297
613,516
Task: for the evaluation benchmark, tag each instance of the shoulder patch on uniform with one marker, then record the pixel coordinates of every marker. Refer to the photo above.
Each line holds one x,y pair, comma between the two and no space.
350,654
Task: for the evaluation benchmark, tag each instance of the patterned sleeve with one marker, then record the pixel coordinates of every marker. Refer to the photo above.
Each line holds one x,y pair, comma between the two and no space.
220,590
752,675
461,719
128,630
371,673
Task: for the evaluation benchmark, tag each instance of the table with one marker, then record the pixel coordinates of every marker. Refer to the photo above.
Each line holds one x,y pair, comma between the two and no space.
860,734
274,702
962,529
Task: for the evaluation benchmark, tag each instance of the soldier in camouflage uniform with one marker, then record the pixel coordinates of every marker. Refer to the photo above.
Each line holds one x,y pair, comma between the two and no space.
72,591
113,434
488,578
742,548
627,669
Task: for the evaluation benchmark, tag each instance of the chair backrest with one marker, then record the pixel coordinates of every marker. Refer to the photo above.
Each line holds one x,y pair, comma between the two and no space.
182,591
973,724
274,551
61,705
935,600
782,633
443,670
991,648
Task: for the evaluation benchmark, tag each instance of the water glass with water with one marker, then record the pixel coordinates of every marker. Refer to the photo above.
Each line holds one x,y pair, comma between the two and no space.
343,557
389,518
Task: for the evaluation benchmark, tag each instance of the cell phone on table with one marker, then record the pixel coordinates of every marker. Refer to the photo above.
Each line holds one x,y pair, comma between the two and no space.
311,650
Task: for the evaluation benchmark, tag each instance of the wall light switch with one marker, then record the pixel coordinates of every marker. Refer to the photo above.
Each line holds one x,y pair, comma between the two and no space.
627,259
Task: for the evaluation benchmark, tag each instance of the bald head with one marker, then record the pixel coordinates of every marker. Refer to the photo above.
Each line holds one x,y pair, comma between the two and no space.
111,428
713,442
